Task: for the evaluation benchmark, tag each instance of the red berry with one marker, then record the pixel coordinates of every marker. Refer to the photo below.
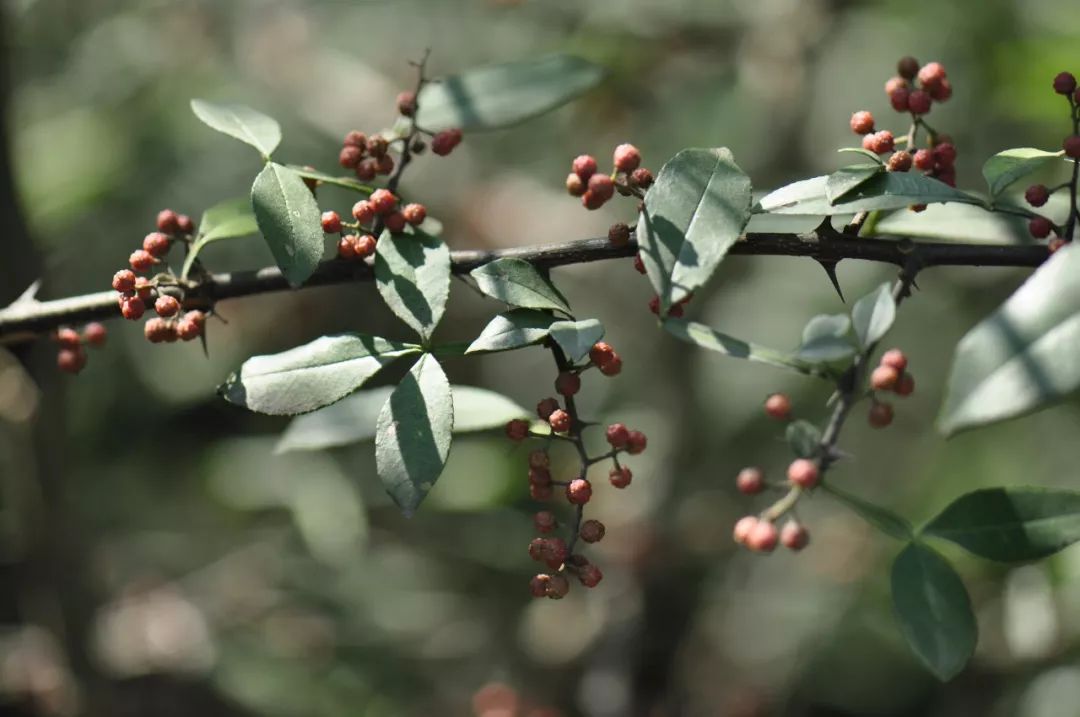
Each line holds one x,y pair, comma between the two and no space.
881,415
919,102
544,521
331,222
71,360
941,91
584,166
944,154
601,353
559,421
95,334
132,308
1071,145
575,185
590,576
620,477
538,585
558,586
923,160
156,244
627,158
363,211
124,280
654,305
793,536
884,378
538,548
932,73
540,492
556,551
517,429
636,443
168,221
883,141
862,122
546,407
395,222
803,472
1040,227
906,385
641,177
899,161
639,265
619,234
592,531
157,330
68,338
907,67
898,98
539,476
406,103
1037,195
896,83
383,201
367,169
444,142
188,329
894,358
364,246
356,139
349,156
762,537
602,187
414,213
346,247
617,435
377,146
539,459
579,491
1064,83
384,165
612,367
743,527
166,306
778,406
567,384
592,201
750,481
141,260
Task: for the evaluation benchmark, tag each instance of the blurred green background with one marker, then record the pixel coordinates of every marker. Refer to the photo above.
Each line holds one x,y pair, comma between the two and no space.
156,556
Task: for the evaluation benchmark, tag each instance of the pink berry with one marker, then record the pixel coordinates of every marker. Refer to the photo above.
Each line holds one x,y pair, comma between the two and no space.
584,166
132,308
896,83
415,214
778,406
641,177
930,74
544,521
395,222
443,143
95,334
750,481
538,585
923,160
883,141
141,260
884,378
166,306
793,536
1040,227
346,247
1064,83
168,221
906,385
1037,195
614,366
862,122
627,158
68,338
803,472
406,103
601,353
617,435
188,329
894,358
382,201
899,161
567,384
620,477
762,537
157,330
349,156
743,527
602,186
579,491
575,185
71,360
919,102
156,244
364,246
559,421
592,531
898,98
636,443
590,576
124,280
941,91
331,222
881,415
363,211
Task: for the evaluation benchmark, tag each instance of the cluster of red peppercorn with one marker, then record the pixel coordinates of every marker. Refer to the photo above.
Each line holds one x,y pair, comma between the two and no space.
558,553
1038,194
596,189
759,532
913,91
378,210
171,322
71,358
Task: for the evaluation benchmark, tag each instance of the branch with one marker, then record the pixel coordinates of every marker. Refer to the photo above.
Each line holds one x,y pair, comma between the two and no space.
23,321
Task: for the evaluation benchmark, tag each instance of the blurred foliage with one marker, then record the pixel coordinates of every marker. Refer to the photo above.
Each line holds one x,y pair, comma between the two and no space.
160,559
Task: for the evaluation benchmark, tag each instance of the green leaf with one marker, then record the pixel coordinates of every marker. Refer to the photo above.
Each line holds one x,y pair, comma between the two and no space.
865,152
288,218
934,610
242,123
1006,167
575,338
826,338
412,272
847,179
885,190
1023,356
708,338
873,315
804,438
881,518
497,96
229,219
344,182
310,376
1011,524
412,436
512,330
353,418
694,212
518,283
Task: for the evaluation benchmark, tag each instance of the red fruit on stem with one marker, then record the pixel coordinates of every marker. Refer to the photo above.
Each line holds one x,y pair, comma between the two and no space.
762,537
395,222
558,586
804,473
1071,145
415,214
862,122
567,384
383,201
907,67
575,185
363,211
641,177
349,156
546,407
356,139
750,481
884,378
1064,83
95,334
941,91
68,338
168,221
124,280
636,443
331,222
793,536
619,234
406,103
923,160
899,161
579,491
639,265
620,477
584,166
141,260
367,169
590,576
443,143
612,367
346,247
601,353
894,358
906,385
538,585
544,521
71,360
560,421
364,246
166,306
539,459
592,531
1037,195
919,102
930,74
132,308
778,406
517,429
618,435
156,244
743,527
881,415
898,98
1040,227
602,187
627,158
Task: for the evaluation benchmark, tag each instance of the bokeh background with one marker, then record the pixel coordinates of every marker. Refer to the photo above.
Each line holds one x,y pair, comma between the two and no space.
157,557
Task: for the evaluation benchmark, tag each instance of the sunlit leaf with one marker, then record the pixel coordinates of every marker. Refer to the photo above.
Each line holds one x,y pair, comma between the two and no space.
288,218
412,272
847,179
873,315
512,330
1006,167
518,283
240,122
885,190
575,338
708,338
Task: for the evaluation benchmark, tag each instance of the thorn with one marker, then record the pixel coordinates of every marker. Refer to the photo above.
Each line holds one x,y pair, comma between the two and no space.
29,296
830,271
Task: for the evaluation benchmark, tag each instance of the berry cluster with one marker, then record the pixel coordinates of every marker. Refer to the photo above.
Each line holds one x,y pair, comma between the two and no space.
135,292
759,533
380,210
913,91
557,552
595,189
1039,194
71,358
